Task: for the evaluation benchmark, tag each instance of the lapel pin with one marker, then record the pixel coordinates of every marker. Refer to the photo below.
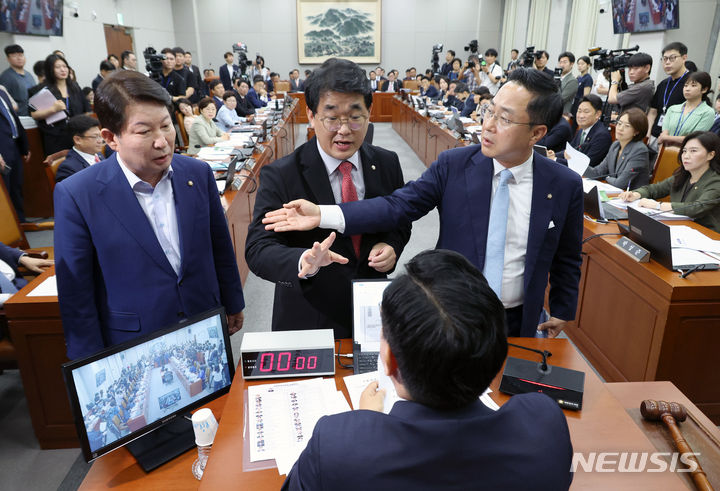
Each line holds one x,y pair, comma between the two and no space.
190,183
549,196
372,166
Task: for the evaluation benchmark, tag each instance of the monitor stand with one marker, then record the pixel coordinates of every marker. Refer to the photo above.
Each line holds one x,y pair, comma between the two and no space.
164,444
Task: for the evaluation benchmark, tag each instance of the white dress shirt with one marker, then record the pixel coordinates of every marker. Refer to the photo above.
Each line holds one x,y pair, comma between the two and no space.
89,157
518,229
159,206
335,177
516,236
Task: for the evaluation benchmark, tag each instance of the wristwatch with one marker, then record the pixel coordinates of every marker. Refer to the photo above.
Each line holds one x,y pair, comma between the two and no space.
614,82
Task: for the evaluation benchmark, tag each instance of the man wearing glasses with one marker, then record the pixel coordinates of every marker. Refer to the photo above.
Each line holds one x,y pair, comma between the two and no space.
517,216
669,92
334,167
87,146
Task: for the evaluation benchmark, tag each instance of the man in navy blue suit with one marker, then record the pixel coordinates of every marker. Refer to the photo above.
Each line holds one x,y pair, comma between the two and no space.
141,240
106,69
227,71
439,435
87,146
14,150
543,221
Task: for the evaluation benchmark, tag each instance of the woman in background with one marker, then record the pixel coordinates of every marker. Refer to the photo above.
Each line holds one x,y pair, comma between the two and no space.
627,162
695,114
694,187
204,132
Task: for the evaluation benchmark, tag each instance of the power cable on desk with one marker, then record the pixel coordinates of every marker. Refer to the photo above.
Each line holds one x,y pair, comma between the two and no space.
338,355
590,237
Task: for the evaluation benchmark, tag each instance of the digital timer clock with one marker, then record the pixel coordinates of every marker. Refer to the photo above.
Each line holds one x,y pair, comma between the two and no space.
280,354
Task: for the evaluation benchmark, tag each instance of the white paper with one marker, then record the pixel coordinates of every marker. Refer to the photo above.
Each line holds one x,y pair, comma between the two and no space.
690,238
355,384
588,184
465,120
48,288
576,160
44,99
367,296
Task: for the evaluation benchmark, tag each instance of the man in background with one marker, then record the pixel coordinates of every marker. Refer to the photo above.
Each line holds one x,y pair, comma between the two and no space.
171,81
199,83
669,92
16,79
11,281
227,71
186,74
106,68
568,82
296,85
87,146
640,92
128,60
14,150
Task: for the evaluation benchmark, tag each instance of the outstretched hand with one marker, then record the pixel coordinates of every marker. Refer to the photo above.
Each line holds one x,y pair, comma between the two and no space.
298,215
320,255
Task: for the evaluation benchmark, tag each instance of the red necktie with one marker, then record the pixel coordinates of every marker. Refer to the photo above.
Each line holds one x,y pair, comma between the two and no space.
97,159
349,193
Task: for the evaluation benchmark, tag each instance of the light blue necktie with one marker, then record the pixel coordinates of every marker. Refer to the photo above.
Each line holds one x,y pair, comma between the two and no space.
495,248
6,286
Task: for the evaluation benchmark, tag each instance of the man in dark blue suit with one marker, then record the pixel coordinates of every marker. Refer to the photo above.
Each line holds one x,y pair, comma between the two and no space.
592,137
87,146
258,94
532,235
439,436
13,150
227,71
141,240
106,68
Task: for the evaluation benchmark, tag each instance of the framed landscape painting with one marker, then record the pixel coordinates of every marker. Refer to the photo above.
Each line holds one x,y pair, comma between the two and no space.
341,29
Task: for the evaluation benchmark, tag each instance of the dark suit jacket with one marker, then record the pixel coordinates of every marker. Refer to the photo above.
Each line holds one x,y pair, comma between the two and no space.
96,81
716,126
74,162
297,85
557,136
218,102
244,106
11,256
432,92
114,281
12,149
523,445
459,184
226,76
254,99
396,85
324,300
596,144
633,166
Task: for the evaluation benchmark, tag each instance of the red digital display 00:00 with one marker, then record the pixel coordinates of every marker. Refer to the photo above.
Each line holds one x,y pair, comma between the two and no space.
267,362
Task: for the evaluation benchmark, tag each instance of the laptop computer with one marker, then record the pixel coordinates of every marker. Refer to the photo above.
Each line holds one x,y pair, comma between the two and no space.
656,237
599,210
367,325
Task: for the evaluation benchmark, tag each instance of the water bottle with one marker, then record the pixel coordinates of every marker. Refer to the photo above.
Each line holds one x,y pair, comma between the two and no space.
198,467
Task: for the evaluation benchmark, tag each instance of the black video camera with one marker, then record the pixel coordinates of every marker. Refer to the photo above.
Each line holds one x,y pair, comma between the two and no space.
435,58
153,62
527,58
243,62
472,46
612,60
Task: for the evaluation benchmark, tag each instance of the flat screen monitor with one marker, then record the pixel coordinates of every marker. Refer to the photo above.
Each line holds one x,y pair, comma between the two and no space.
127,391
645,15
32,17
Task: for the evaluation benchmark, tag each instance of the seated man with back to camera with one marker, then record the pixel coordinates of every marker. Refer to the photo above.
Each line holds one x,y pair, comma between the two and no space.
442,342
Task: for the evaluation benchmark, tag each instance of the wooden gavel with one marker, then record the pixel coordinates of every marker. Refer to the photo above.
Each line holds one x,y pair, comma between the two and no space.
669,413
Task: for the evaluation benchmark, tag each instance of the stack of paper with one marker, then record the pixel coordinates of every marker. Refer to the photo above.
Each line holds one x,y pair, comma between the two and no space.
666,215
282,417
576,160
214,153
684,237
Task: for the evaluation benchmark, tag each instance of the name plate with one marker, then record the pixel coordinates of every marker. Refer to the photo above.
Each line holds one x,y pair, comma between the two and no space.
633,250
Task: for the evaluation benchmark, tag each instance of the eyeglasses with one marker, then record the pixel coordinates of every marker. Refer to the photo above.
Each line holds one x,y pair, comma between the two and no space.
622,124
486,113
355,123
92,137
669,59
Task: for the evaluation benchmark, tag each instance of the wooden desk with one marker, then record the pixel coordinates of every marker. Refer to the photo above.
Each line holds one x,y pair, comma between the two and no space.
36,329
427,139
641,322
602,425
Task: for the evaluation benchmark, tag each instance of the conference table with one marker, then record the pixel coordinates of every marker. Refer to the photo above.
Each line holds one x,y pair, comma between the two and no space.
607,423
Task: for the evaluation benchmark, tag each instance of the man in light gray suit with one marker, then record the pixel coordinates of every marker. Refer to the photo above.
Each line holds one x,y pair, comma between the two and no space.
568,82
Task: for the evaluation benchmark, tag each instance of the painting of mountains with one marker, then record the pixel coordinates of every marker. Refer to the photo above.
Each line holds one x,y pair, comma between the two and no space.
339,29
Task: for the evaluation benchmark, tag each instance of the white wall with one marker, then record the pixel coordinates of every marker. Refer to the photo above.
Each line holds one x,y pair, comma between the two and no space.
409,30
83,40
